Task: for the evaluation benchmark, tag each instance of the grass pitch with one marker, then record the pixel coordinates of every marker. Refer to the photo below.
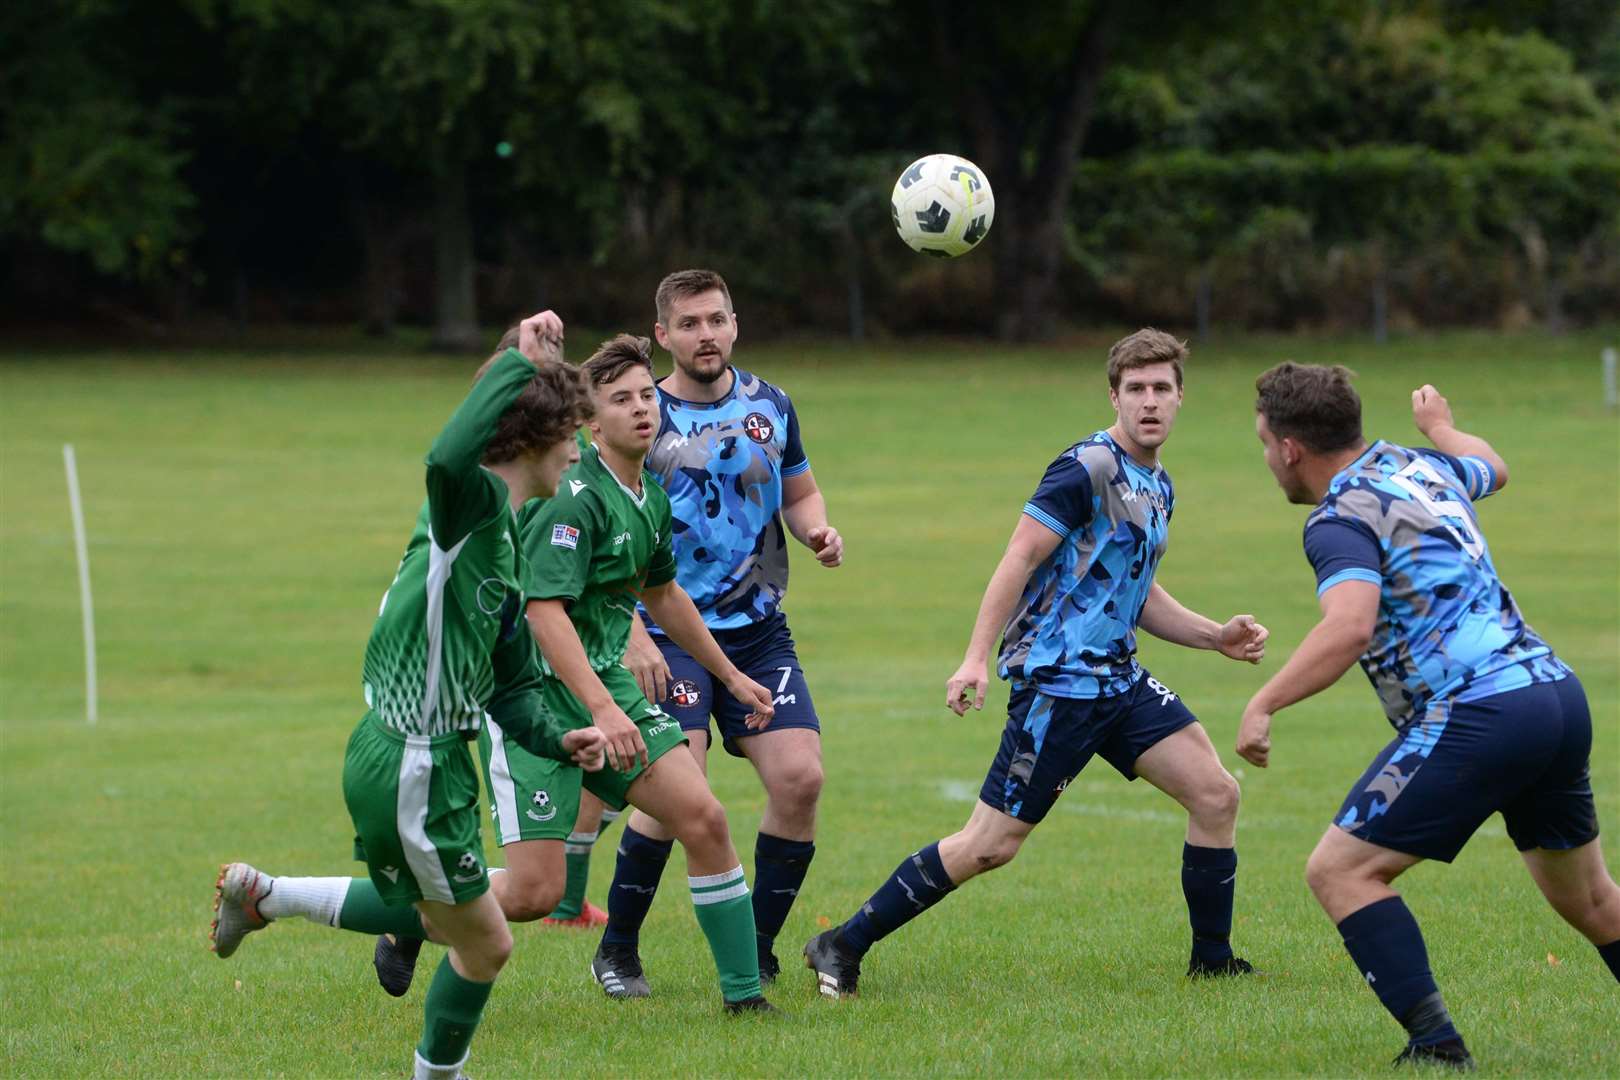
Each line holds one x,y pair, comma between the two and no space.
246,511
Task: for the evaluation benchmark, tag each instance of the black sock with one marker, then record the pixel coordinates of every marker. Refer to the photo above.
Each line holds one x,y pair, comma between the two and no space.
916,885
1611,956
779,869
1384,940
1208,880
635,883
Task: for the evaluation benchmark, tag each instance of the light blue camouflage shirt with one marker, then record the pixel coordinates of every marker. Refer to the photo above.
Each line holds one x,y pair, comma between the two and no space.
1448,630
722,465
1073,633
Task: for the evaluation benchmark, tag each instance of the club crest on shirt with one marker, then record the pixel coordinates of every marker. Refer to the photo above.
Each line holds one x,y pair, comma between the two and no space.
685,694
564,536
758,428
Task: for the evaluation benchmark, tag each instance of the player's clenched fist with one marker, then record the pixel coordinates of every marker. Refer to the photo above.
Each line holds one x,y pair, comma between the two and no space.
624,746
1430,410
1254,737
966,688
827,544
540,337
588,746
756,697
1244,639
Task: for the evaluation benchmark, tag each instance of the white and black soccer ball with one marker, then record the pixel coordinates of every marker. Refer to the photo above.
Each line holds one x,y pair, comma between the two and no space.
468,862
942,205
542,800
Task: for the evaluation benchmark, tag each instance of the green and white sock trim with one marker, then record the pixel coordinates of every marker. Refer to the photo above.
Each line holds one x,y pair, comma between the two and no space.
718,888
426,1070
579,843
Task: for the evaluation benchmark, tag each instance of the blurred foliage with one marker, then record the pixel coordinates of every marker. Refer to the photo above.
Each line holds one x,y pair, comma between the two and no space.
1277,161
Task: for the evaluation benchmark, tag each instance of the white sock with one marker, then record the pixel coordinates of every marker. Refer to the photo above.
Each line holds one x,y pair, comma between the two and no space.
426,1070
318,899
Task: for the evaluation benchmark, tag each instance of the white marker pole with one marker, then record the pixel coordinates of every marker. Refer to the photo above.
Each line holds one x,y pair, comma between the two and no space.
1611,390
84,583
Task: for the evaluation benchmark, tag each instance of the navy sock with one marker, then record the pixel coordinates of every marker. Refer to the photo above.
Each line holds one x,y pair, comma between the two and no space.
635,883
1611,956
1384,940
779,869
1208,880
916,885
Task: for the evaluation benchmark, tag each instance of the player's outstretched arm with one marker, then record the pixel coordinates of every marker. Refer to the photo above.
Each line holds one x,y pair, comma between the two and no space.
1432,415
558,640
804,509
1029,546
1349,615
672,609
1240,637
460,494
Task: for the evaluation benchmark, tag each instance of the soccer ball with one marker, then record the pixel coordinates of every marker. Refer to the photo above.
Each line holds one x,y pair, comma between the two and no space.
942,205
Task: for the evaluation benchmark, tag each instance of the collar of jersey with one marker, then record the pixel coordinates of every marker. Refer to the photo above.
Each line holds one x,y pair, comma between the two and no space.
1130,461
736,381
639,500
1344,473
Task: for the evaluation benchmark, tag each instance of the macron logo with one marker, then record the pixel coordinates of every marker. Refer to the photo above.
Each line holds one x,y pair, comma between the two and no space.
575,487
565,536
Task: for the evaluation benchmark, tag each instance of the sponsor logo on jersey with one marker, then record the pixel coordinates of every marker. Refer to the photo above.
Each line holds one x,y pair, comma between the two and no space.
564,536
543,809
758,427
575,487
685,693
618,541
660,728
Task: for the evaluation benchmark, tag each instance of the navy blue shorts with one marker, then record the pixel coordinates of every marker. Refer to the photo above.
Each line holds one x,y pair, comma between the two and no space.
764,652
1048,740
1524,753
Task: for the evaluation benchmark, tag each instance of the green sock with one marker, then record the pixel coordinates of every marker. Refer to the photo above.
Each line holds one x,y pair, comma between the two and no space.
364,911
577,853
451,1015
727,918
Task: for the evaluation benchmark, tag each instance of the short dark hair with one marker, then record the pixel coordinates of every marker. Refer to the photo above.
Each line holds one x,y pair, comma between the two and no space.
1146,346
615,356
1312,403
550,409
684,283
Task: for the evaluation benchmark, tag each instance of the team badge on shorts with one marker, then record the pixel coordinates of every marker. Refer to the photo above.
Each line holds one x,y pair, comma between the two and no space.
685,694
467,868
758,428
543,809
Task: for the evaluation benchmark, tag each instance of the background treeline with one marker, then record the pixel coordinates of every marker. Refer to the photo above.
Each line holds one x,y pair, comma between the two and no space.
450,162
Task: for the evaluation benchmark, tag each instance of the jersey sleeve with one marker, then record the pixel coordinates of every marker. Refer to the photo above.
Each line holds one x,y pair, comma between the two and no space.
516,704
661,568
794,460
461,494
557,542
1341,550
1062,501
1474,473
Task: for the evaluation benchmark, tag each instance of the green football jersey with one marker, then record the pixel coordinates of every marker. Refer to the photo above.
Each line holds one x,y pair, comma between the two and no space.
596,545
450,641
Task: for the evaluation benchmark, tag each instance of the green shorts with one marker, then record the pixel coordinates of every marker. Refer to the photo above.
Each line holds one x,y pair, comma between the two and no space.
414,802
537,798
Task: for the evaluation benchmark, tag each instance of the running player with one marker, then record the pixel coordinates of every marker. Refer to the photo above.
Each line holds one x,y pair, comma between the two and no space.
730,456
1068,596
1486,717
449,652
601,543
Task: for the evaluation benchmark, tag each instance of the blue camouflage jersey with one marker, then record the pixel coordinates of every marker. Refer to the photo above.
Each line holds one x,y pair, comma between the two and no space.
1448,629
722,464
1073,633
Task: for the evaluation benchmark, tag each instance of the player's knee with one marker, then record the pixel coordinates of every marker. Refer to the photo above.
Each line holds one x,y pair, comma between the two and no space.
1216,799
485,958
797,791
531,900
1320,876
994,851
704,828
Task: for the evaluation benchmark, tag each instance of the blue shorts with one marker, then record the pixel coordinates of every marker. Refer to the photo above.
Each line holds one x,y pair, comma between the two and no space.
1525,753
1048,740
764,652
